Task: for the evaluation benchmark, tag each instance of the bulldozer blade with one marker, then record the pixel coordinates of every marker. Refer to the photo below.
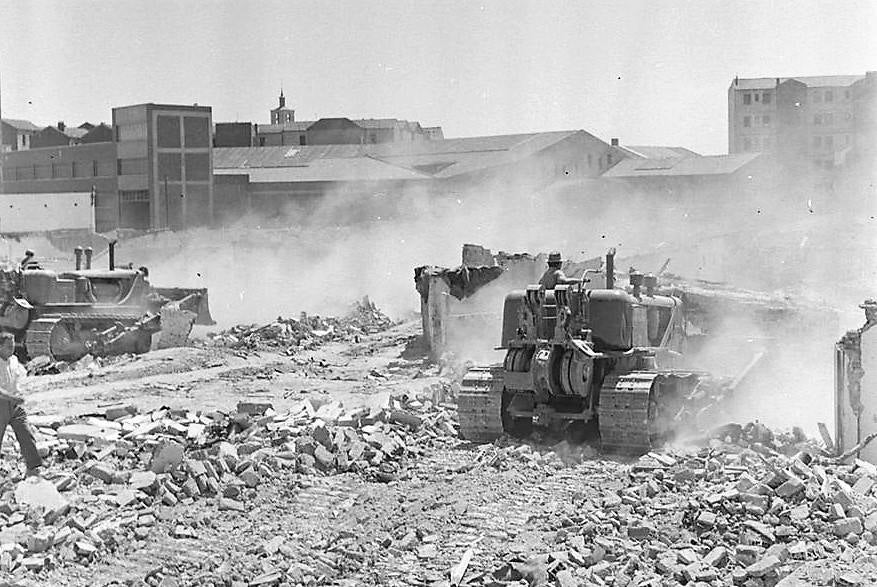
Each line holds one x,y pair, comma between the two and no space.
191,299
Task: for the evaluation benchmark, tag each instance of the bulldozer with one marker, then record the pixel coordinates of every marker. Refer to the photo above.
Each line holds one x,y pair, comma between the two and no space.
65,315
598,361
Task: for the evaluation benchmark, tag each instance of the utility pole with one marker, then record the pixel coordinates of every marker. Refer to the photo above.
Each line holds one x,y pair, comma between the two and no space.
167,209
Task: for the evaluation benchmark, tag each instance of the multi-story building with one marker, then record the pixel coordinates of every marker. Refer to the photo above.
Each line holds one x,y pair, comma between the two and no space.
153,169
165,167
801,119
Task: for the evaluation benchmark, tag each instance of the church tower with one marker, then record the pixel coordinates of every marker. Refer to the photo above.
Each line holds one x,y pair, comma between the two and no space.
282,114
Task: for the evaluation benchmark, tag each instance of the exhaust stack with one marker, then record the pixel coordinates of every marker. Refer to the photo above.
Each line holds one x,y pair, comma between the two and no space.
636,282
112,255
88,253
610,268
651,283
77,252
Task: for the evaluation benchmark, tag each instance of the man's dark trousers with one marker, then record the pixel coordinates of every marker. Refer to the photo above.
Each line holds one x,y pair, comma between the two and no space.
12,413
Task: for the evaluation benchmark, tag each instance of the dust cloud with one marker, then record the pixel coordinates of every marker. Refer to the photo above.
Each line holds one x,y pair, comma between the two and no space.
785,233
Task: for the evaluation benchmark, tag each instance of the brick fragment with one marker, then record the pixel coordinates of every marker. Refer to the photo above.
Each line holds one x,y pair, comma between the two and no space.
764,566
846,526
228,504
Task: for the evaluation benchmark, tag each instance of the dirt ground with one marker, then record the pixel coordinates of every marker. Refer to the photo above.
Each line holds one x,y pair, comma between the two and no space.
504,504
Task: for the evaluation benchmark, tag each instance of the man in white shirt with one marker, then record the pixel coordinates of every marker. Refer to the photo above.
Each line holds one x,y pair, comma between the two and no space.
11,411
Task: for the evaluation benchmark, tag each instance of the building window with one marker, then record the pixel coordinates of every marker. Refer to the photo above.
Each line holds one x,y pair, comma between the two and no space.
261,141
62,170
828,118
817,119
829,96
169,131
747,121
846,94
135,166
170,166
829,142
301,140
131,132
765,120
817,97
197,167
127,197
757,96
747,144
747,98
197,131
765,144
817,141
590,161
754,143
765,98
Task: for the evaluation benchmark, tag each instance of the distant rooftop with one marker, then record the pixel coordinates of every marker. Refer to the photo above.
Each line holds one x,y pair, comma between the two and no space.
766,83
401,160
21,124
676,167
657,152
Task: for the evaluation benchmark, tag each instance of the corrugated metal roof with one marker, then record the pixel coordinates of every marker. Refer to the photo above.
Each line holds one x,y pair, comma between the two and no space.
450,157
287,156
812,81
658,152
21,124
357,169
531,142
435,158
688,166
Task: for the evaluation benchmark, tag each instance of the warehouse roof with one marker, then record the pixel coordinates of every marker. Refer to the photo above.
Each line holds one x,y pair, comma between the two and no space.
676,167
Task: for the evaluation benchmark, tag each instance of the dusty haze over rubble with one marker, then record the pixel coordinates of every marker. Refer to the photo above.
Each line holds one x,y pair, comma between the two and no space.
799,241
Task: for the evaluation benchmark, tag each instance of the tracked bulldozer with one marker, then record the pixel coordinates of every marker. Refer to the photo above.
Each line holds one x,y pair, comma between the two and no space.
67,314
605,360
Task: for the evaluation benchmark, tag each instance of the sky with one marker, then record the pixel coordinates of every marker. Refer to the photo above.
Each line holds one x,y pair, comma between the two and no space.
650,73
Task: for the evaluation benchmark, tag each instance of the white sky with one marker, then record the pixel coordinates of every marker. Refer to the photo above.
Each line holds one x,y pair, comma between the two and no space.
651,72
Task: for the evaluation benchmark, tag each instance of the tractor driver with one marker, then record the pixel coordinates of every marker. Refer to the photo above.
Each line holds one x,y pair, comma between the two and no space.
554,275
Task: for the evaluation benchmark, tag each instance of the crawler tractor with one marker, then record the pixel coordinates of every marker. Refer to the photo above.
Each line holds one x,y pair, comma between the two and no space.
596,360
65,315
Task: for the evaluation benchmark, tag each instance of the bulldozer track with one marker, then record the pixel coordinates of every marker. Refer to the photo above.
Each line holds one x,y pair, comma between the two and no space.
630,410
38,339
624,412
479,404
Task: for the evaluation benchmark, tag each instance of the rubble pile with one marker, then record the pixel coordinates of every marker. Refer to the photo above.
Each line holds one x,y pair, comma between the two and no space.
112,478
305,331
734,513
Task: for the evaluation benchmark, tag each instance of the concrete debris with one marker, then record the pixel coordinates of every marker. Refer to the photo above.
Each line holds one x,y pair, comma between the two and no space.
306,331
737,512
99,496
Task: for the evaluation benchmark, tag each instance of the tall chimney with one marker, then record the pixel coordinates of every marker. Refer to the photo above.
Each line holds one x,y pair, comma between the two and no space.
77,252
88,253
610,268
614,142
61,125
